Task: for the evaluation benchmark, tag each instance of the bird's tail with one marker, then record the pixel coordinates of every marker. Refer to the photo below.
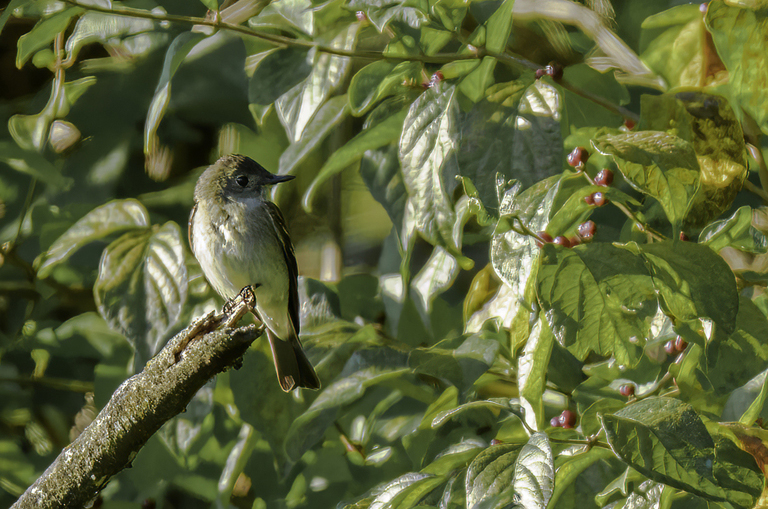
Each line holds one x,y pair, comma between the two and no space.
291,363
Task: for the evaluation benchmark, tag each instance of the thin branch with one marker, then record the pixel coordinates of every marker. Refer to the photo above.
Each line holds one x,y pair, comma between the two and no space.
279,40
140,406
757,155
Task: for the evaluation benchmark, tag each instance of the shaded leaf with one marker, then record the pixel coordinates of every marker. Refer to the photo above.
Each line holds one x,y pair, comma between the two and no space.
737,231
142,286
113,217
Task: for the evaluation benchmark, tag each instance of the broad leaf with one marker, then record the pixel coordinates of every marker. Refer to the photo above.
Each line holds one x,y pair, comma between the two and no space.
115,216
659,165
737,231
142,286
599,296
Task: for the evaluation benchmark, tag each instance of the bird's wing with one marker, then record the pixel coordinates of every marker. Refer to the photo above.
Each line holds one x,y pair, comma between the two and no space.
290,262
190,226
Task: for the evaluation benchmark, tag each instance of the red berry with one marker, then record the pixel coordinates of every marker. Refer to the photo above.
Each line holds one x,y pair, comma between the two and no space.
680,344
555,422
554,71
575,240
629,123
684,237
669,347
562,241
627,390
589,199
587,229
437,77
604,177
599,199
495,441
360,15
567,419
540,73
544,236
578,156
703,8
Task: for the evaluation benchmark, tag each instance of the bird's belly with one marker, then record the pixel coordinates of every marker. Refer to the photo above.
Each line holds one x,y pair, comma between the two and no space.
231,262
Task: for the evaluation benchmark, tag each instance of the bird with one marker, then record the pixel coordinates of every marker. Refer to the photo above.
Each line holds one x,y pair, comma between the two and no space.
239,238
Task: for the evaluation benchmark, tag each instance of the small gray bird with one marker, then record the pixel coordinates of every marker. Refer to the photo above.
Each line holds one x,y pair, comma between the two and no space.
239,237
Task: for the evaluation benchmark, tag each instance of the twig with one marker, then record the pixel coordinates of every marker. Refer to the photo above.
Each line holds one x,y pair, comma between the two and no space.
639,224
749,186
138,408
615,108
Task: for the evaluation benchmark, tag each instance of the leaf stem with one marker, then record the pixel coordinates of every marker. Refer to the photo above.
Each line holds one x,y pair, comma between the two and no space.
587,443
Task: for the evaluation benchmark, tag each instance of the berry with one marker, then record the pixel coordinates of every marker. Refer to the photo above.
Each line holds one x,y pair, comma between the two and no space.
575,240
703,8
587,230
669,347
589,199
148,503
555,422
629,123
360,15
562,241
684,237
604,177
554,71
627,390
567,419
599,199
495,441
680,344
544,236
437,77
540,73
578,156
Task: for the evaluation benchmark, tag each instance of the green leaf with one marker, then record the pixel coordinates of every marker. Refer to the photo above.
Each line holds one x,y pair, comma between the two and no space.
569,469
491,472
141,288
383,12
364,369
428,140
298,105
32,163
437,275
113,217
174,57
674,45
665,440
600,297
739,34
212,5
330,115
461,366
582,112
380,170
709,124
734,359
43,34
532,372
475,84
106,29
377,136
378,80
677,269
657,164
278,72
499,27
737,231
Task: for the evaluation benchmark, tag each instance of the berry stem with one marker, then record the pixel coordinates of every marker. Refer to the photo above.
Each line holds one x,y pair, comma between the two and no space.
639,224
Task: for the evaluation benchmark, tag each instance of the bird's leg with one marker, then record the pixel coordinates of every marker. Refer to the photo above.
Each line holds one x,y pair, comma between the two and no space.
236,309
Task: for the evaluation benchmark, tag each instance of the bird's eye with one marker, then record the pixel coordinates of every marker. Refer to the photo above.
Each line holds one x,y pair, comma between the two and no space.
242,180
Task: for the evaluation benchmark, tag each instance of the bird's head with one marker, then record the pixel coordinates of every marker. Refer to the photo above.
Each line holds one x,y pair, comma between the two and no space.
235,177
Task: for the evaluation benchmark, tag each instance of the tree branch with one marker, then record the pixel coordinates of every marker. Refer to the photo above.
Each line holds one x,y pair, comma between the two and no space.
140,406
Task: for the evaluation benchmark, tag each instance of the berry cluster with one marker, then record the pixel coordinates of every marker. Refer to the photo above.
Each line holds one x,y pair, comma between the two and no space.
578,159
567,419
675,346
585,233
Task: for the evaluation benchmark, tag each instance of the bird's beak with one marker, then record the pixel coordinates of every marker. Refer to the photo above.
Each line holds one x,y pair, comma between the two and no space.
276,179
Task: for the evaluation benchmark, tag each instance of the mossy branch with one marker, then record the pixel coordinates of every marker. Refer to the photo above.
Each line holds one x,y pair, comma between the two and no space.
140,406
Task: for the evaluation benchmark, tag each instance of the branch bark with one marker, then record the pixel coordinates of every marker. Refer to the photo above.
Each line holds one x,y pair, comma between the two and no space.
140,406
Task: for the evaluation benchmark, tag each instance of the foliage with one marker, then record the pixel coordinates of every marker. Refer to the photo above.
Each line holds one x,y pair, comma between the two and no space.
430,145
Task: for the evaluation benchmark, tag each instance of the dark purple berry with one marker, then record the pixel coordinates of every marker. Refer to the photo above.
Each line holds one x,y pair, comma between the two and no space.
587,230
599,199
604,177
578,156
627,390
545,237
562,241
